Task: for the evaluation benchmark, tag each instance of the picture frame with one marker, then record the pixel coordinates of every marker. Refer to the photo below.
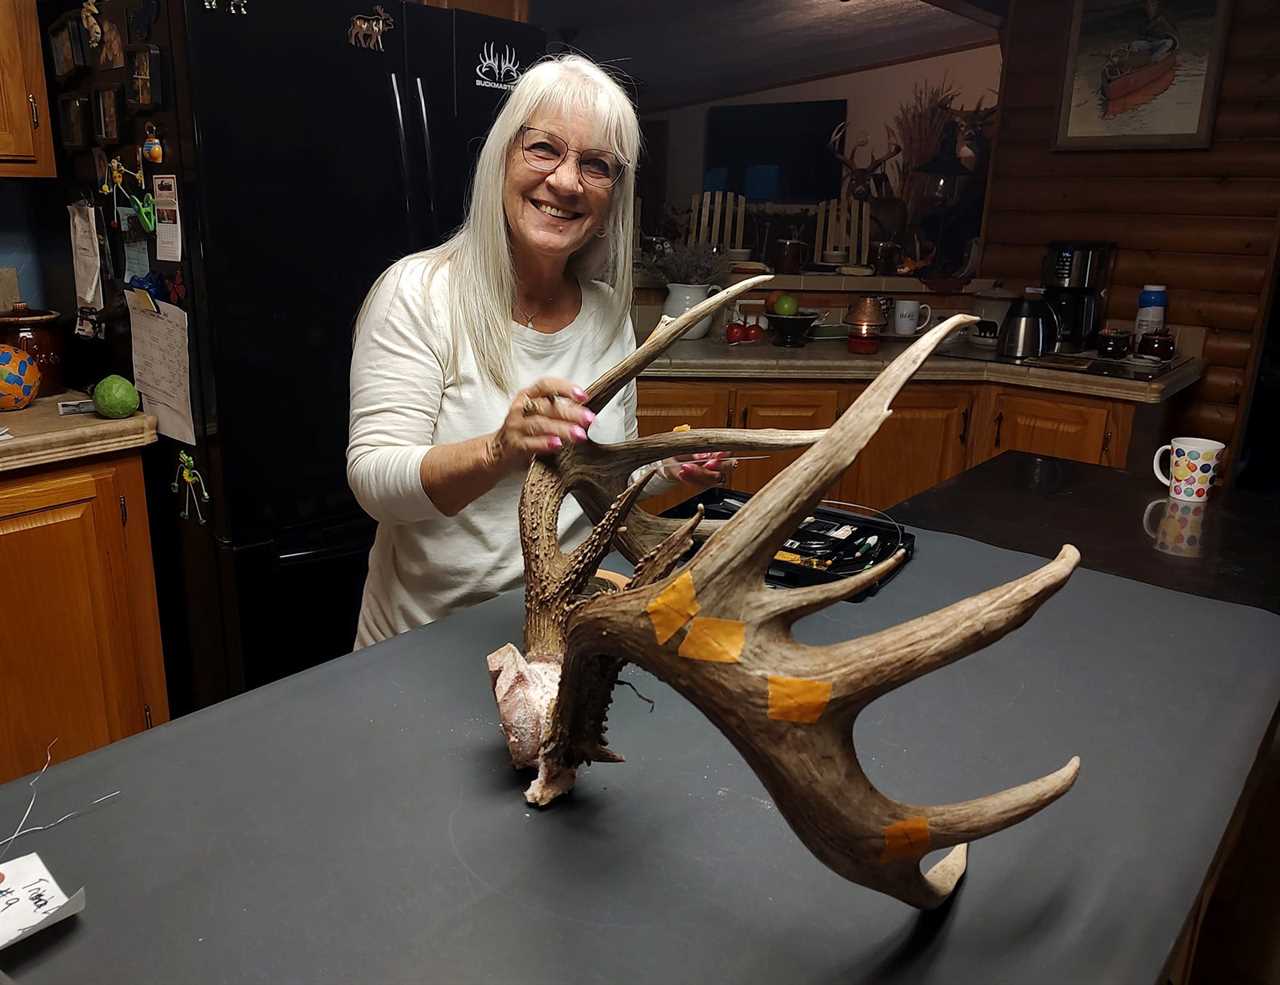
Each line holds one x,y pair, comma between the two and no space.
68,48
108,114
75,121
1142,76
114,37
144,89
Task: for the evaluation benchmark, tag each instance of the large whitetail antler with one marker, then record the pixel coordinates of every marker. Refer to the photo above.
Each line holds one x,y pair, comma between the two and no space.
720,637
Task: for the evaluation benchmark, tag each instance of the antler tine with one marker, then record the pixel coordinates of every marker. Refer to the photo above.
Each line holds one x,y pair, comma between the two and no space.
755,531
874,665
657,564
625,456
791,604
587,555
616,377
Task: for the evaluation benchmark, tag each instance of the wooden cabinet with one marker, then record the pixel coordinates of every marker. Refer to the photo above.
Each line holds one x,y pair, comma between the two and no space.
26,134
666,406
925,441
936,431
789,408
1079,428
81,660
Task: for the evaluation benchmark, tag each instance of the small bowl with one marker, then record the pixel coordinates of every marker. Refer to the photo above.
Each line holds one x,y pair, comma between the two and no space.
984,334
835,257
1114,345
792,331
738,254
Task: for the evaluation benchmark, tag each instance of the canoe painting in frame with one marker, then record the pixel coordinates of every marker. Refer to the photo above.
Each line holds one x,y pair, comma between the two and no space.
1142,74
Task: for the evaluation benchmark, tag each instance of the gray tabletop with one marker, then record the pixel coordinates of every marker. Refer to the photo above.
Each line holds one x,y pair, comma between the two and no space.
359,822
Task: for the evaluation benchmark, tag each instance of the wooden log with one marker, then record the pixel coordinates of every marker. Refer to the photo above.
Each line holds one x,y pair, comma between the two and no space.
1193,271
1236,158
1258,197
1248,80
1214,310
1244,120
1258,120
1181,234
1203,419
1221,385
1252,38
1227,349
1035,89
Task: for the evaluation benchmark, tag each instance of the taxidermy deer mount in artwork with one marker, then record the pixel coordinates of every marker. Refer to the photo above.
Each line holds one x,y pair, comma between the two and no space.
713,631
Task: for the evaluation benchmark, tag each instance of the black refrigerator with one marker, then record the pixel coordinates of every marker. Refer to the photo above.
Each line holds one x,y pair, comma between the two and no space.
314,144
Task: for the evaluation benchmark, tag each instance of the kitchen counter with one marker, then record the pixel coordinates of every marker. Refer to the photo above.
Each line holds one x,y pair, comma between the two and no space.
829,359
41,437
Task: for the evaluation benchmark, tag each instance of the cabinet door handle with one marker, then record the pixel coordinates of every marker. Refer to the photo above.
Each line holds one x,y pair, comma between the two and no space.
35,113
999,421
964,426
744,416
1106,443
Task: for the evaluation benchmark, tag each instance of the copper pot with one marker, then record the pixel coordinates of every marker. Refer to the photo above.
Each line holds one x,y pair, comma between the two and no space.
36,333
867,311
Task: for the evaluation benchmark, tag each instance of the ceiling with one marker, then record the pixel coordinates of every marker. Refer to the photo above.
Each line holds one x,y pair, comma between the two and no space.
689,51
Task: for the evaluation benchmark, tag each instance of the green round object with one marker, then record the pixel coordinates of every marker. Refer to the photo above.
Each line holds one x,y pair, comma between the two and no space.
115,397
786,305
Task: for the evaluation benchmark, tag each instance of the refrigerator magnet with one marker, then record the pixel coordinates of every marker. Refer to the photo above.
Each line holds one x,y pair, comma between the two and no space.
106,115
153,146
145,91
68,46
74,117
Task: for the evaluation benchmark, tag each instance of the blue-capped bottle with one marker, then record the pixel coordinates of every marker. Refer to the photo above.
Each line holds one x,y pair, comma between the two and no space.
1152,304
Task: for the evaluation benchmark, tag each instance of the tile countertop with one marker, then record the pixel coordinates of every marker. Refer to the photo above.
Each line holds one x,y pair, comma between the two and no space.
828,359
39,436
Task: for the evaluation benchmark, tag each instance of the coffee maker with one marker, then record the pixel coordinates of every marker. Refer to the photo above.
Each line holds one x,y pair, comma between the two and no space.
1076,276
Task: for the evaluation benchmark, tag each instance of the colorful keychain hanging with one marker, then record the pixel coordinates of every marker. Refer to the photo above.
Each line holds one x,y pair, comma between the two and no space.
114,186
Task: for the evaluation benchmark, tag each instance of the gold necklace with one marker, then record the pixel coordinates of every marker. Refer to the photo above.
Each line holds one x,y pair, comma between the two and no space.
525,314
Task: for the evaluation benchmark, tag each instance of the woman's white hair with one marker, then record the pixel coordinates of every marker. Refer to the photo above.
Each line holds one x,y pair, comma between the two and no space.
481,266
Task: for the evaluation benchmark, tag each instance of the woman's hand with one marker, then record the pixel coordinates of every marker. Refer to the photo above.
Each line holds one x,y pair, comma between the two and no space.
704,469
541,420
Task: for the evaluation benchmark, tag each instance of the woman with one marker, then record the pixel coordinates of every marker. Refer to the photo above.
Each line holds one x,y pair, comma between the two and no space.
469,358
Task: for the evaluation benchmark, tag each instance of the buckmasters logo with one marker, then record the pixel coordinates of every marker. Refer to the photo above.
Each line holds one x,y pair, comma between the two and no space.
497,72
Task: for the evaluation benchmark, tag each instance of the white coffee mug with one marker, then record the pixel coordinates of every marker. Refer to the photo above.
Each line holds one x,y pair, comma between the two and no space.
907,319
1193,467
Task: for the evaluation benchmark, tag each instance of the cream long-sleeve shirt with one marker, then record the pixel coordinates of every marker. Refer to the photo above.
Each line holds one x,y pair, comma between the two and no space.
423,563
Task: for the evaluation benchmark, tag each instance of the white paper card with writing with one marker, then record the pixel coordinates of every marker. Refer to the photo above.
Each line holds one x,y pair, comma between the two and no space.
168,218
30,899
85,258
161,366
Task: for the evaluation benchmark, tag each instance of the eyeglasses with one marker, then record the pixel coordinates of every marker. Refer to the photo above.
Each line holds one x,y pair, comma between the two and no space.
544,151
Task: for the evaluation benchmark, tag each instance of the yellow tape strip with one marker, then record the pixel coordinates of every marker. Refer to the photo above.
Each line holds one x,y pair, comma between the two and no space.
682,427
908,838
716,640
793,699
674,606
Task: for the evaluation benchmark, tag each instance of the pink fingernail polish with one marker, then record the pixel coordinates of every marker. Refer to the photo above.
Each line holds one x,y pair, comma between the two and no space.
554,444
579,394
588,417
578,433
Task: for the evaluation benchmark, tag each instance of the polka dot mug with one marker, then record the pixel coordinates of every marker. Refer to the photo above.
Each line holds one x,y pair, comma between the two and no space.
1193,467
1174,526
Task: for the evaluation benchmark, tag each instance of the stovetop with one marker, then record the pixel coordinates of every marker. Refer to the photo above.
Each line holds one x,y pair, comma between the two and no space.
1130,368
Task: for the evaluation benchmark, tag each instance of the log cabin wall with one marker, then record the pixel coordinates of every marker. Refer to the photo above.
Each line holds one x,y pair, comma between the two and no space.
1204,222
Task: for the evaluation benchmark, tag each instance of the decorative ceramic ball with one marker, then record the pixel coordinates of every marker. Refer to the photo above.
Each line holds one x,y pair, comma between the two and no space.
19,378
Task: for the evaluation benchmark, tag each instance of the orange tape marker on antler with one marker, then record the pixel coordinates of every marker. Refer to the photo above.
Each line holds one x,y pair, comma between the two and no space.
908,838
715,640
674,606
793,699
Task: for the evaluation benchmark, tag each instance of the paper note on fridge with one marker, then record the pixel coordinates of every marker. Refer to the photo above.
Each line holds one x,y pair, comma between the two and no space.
168,218
85,257
161,369
31,900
